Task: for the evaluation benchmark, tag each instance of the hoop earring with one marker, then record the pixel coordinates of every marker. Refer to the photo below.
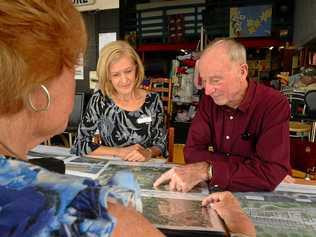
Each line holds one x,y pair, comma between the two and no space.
46,92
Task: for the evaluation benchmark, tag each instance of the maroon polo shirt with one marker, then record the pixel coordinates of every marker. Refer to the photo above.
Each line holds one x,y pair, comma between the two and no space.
251,148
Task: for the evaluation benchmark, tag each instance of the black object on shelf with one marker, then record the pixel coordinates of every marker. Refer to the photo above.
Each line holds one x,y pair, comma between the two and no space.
181,130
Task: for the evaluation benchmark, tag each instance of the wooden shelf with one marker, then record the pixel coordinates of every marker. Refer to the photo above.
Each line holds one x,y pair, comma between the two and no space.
166,47
247,42
260,42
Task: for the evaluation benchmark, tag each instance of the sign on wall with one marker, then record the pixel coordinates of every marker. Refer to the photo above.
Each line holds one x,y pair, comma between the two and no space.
94,5
79,69
105,38
78,3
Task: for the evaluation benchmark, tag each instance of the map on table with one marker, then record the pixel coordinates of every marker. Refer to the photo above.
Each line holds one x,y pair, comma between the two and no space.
85,167
146,174
290,211
83,160
179,213
281,214
92,171
165,209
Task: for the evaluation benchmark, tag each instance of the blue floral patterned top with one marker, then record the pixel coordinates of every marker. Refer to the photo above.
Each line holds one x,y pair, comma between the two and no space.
121,128
36,202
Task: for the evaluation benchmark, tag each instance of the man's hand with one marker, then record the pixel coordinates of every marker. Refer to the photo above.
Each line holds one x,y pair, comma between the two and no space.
288,179
228,208
184,178
134,153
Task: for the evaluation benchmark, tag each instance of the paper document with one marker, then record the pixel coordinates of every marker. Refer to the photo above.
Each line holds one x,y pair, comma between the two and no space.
300,188
92,171
180,214
281,213
51,151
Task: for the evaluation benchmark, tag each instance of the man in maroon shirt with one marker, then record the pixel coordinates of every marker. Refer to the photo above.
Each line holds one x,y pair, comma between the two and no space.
239,138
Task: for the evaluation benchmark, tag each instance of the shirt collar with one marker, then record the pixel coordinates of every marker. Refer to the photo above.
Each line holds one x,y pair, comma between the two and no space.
250,93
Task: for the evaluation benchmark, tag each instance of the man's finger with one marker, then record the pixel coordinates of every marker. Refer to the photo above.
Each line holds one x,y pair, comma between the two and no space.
163,178
173,183
186,188
123,158
179,187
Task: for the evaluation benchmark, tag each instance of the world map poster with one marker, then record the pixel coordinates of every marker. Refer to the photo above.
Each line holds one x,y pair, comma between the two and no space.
251,21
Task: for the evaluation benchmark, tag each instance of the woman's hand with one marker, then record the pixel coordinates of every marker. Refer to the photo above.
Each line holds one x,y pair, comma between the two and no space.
135,153
228,208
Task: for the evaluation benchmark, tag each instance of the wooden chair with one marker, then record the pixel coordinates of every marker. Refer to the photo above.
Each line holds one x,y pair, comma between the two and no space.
310,101
300,129
163,86
283,78
171,144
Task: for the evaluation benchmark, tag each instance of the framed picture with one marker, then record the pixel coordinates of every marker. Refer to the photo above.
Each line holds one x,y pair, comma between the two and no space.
250,21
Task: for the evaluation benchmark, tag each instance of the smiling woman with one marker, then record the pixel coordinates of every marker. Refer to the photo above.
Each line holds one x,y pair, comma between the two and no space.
130,120
122,74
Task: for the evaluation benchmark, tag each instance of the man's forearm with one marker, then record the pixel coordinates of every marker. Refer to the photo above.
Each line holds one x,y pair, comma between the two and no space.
193,155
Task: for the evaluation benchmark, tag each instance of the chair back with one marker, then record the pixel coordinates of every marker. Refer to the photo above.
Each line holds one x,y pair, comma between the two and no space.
163,86
310,101
297,103
77,112
297,127
171,144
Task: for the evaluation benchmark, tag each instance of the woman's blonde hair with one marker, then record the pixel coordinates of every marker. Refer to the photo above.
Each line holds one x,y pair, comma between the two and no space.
109,54
37,38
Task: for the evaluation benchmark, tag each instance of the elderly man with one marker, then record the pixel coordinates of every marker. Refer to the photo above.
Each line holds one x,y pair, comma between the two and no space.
239,138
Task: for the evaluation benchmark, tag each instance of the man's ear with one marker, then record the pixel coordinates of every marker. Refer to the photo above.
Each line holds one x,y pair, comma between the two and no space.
244,70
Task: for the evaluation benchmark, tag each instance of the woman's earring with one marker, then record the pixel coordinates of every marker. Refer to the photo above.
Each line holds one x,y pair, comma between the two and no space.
46,93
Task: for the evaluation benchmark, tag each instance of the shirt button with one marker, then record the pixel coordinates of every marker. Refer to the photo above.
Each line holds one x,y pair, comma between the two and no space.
227,154
227,137
231,117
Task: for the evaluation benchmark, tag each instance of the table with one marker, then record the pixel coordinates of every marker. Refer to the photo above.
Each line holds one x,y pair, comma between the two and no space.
288,211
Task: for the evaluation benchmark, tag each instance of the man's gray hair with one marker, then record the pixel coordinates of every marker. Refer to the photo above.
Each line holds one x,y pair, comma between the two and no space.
235,50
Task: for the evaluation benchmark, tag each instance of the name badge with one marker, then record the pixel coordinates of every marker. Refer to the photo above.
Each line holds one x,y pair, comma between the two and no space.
144,119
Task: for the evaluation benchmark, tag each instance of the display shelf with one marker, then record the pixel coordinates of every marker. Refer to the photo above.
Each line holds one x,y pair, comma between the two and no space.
261,42
166,47
147,48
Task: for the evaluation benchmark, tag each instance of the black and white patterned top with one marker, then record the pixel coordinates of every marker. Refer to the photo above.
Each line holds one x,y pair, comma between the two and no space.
121,128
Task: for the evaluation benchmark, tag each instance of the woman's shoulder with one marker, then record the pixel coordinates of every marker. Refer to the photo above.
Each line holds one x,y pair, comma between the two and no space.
98,98
153,101
152,96
98,95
